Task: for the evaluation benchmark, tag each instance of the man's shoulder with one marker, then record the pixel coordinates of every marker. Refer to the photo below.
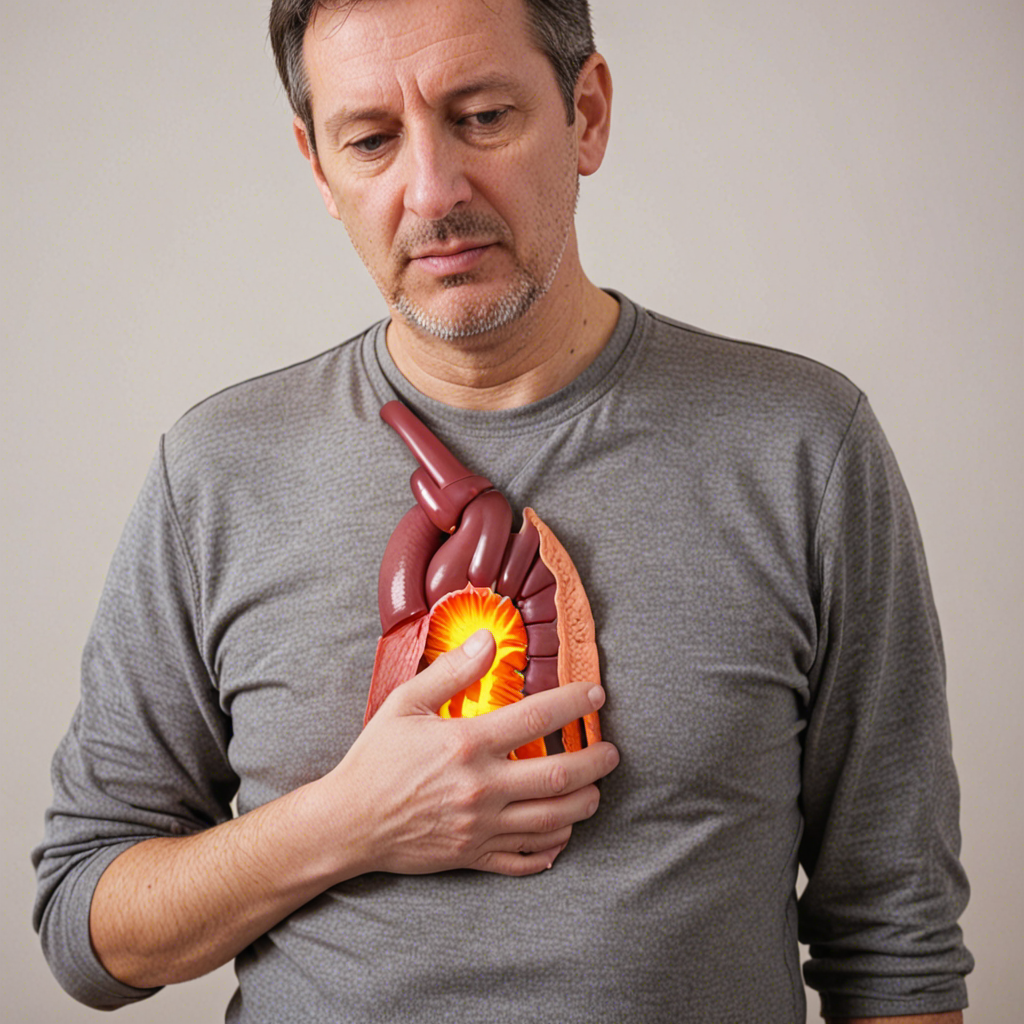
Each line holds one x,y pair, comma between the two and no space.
268,422
726,381
737,363
289,398
273,394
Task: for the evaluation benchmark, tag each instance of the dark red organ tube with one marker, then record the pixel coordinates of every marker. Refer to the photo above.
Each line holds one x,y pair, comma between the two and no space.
519,556
539,577
400,590
444,505
430,453
539,607
541,674
542,638
473,554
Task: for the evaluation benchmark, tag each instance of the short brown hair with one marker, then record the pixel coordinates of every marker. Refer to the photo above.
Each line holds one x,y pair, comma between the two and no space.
561,30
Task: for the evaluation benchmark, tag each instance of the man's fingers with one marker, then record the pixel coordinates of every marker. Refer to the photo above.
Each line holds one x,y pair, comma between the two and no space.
451,673
524,843
543,817
541,778
518,864
537,715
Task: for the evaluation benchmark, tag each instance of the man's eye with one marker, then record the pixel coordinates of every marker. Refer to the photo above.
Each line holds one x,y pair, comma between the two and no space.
371,144
487,118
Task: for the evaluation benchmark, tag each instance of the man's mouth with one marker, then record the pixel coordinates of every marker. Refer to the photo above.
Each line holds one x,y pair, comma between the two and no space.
450,257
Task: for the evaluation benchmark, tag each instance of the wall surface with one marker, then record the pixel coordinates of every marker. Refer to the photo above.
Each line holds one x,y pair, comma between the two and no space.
841,180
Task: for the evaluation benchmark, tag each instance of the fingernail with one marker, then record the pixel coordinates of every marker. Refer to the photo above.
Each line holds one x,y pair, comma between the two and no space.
477,642
596,695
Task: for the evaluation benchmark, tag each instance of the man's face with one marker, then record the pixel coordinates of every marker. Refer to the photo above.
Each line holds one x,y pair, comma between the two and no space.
442,145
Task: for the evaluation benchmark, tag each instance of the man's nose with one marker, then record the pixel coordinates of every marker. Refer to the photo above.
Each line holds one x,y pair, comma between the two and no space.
436,180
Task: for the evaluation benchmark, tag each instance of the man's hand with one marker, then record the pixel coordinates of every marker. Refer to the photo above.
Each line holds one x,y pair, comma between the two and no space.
434,794
414,794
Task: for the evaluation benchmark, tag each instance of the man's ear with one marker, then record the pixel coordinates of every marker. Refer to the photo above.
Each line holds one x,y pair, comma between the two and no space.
593,112
307,150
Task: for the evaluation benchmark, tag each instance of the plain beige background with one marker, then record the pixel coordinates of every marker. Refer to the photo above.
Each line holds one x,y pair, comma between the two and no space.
838,179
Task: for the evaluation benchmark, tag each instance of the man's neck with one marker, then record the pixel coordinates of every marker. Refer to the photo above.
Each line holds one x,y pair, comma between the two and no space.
542,352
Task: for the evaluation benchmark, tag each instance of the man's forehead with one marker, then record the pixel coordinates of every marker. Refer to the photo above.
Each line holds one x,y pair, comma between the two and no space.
362,56
396,30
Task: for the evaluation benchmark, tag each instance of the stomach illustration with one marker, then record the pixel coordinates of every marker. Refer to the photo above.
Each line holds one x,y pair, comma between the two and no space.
454,565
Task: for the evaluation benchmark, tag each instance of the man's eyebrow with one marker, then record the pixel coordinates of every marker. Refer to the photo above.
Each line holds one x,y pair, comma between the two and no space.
482,84
345,116
342,118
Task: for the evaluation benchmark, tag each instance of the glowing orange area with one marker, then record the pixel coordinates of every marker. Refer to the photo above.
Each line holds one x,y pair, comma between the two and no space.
454,620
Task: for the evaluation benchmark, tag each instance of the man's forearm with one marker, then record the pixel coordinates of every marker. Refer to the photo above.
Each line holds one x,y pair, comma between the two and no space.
414,794
167,910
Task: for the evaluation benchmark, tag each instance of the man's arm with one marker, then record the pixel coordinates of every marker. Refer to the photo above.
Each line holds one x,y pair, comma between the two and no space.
414,794
879,792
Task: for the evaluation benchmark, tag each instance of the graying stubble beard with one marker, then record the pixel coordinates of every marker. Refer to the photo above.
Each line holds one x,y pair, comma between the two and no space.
524,292
509,308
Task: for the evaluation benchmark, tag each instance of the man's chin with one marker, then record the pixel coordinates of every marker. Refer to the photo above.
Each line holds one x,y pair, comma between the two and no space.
453,316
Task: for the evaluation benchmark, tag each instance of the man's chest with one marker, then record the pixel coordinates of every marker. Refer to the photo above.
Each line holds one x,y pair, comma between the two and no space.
704,625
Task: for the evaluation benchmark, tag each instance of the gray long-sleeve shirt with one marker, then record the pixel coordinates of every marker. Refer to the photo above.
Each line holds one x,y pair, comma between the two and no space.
769,648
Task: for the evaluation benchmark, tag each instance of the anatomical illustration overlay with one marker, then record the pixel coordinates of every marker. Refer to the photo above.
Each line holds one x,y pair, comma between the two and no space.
454,565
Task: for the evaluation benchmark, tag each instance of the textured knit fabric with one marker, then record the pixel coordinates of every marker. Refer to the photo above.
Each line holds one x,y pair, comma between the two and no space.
768,644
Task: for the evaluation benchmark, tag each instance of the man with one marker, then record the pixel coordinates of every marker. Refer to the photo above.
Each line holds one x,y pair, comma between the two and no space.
768,641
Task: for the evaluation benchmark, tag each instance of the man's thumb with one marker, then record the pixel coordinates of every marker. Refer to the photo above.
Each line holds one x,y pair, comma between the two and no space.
449,674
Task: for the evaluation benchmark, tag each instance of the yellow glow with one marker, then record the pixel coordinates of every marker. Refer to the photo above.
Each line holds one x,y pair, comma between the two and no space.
454,620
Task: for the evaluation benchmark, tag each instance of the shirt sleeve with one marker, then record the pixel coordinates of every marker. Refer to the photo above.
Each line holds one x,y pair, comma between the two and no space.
146,752
879,791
